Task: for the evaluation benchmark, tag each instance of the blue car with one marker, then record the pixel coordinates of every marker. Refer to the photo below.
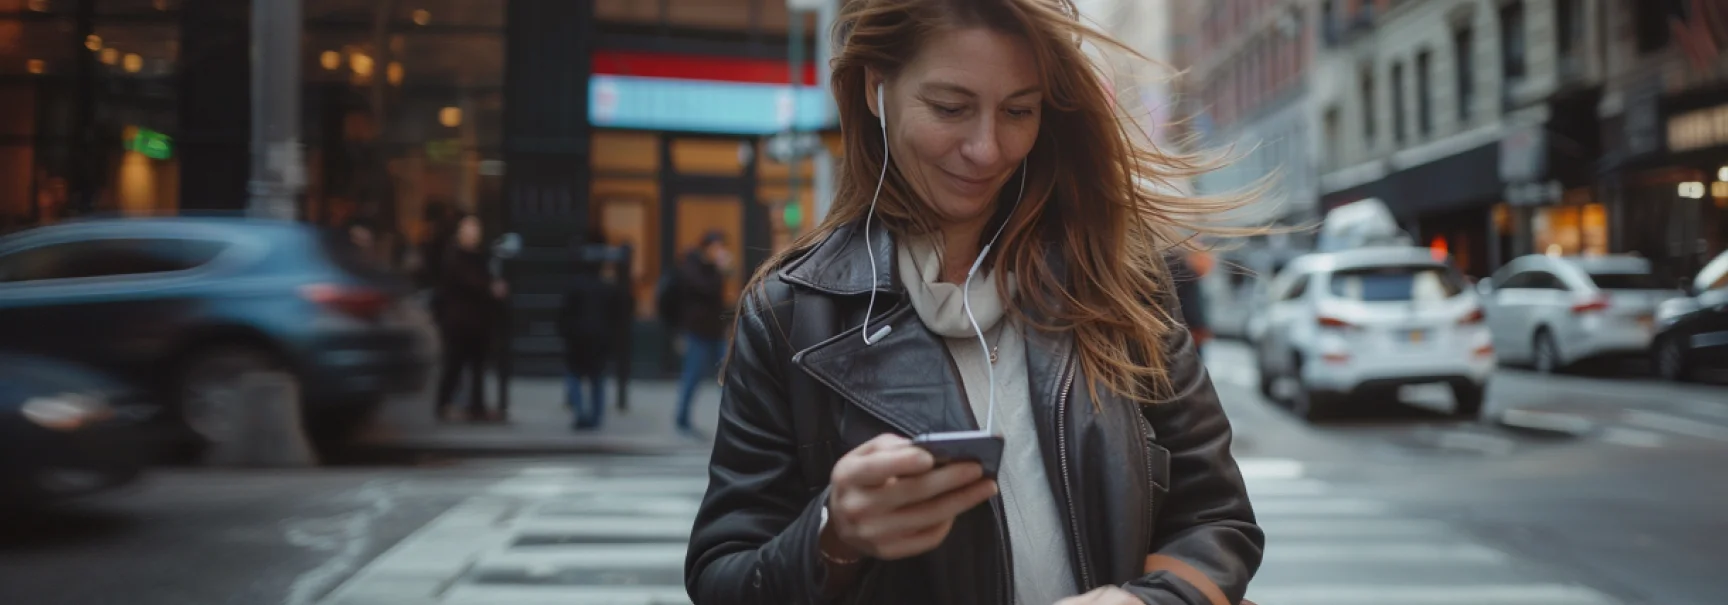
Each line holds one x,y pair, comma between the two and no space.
67,431
183,307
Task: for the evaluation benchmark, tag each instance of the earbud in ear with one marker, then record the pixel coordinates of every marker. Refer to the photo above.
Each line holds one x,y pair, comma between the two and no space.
881,107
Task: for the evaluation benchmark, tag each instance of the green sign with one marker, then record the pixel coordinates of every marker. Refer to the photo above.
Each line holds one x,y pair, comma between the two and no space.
793,214
151,144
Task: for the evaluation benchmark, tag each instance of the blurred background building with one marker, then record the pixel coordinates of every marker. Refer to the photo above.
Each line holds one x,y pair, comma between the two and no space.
1492,128
649,120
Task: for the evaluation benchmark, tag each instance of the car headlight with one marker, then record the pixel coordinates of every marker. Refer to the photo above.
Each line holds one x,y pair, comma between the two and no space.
66,411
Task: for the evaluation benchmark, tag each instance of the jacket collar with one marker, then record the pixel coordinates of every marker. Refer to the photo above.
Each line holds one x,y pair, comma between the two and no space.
840,264
906,379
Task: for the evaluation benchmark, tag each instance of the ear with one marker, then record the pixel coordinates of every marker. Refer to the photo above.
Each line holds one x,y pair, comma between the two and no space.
873,82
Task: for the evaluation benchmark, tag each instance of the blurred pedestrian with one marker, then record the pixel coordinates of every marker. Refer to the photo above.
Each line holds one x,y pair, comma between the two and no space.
467,304
700,285
1186,271
364,238
588,324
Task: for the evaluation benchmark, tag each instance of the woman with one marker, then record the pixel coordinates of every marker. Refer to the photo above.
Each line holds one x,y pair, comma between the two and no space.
466,305
992,259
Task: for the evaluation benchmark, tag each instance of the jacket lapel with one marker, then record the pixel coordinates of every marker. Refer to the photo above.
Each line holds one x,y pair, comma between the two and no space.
905,380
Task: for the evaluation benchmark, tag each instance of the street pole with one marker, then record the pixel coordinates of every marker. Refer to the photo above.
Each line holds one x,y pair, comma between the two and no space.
824,185
278,173
796,42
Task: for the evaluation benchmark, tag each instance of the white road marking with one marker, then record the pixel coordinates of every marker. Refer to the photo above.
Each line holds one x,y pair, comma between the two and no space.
346,537
1270,468
1675,424
1388,528
1335,552
1450,594
1270,510
1632,437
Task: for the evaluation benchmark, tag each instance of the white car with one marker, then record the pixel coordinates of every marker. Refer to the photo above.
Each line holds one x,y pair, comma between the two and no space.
1372,321
1551,312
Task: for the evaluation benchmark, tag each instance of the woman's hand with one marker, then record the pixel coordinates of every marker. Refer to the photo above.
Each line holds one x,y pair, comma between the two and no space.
1108,595
888,500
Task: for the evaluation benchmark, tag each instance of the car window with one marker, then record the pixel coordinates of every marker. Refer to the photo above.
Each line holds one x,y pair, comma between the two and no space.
1627,281
1297,289
107,258
1535,280
1419,283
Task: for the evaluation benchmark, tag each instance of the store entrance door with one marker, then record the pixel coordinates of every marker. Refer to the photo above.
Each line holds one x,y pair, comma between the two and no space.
709,185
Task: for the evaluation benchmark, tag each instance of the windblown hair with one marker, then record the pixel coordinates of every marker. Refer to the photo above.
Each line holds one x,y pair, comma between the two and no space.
1101,208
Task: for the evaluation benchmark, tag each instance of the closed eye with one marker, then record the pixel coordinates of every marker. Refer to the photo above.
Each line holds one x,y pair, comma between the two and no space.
947,111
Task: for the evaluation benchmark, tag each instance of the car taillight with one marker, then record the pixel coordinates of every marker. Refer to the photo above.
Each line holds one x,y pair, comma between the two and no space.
1335,323
1593,305
1475,316
359,302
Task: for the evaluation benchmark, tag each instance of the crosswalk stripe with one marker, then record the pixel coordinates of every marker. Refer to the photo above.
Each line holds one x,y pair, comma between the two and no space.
1451,594
1356,528
1330,551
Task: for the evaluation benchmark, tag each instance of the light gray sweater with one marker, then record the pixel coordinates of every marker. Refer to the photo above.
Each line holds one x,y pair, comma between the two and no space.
1042,572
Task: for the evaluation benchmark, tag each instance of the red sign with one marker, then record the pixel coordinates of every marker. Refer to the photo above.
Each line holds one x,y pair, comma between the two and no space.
697,67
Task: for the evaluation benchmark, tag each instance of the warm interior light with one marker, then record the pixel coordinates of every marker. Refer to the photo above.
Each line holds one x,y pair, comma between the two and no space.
110,56
361,63
40,6
331,60
93,42
422,17
394,73
1722,173
450,116
1692,189
35,66
160,5
133,63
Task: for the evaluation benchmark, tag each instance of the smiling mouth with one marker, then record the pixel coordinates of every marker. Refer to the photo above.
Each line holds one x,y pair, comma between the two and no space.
970,181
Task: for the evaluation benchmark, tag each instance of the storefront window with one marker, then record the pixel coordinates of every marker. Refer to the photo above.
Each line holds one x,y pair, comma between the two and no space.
404,106
1580,230
113,77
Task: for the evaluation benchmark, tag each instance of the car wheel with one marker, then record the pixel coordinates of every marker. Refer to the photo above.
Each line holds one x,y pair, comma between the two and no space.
1670,361
1469,398
209,389
1314,406
1546,354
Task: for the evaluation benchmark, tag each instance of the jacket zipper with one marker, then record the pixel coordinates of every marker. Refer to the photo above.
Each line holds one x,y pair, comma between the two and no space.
1067,482
996,508
1151,479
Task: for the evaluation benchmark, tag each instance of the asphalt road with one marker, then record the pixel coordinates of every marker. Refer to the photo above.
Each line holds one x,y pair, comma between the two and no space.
1625,506
1630,497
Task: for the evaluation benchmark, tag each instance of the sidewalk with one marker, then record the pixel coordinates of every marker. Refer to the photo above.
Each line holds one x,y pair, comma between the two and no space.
540,424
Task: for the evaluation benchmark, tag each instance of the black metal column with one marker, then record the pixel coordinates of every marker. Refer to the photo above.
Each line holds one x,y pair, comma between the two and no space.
215,104
547,172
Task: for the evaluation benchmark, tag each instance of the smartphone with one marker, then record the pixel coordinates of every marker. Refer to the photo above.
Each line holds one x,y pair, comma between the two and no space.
964,446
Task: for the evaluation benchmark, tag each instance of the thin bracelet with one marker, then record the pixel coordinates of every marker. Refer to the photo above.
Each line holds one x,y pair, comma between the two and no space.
836,560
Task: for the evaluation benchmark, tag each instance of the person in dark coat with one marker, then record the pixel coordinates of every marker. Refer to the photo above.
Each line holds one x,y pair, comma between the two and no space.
468,299
702,288
1189,295
588,323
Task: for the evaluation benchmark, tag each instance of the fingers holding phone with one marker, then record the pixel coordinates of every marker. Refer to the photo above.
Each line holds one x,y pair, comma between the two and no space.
889,500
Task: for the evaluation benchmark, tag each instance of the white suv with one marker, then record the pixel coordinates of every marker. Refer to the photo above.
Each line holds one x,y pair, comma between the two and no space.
1371,321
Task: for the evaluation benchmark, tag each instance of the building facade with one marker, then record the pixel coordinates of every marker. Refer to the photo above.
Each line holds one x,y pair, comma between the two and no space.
1248,93
644,121
1665,130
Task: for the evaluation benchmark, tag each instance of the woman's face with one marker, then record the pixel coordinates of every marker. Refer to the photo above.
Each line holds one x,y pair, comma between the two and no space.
961,116
468,233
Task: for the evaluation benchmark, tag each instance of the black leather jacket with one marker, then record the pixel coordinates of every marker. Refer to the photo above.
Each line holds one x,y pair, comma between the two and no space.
1131,481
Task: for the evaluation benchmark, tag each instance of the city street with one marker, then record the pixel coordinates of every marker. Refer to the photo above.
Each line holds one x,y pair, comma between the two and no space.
1615,501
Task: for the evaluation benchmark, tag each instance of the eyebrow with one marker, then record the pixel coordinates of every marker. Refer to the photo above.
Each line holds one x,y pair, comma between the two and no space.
962,90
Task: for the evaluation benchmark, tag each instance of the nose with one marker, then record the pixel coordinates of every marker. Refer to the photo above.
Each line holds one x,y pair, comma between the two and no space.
982,148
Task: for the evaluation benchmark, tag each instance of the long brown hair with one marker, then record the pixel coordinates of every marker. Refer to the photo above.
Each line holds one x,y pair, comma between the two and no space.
1097,195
